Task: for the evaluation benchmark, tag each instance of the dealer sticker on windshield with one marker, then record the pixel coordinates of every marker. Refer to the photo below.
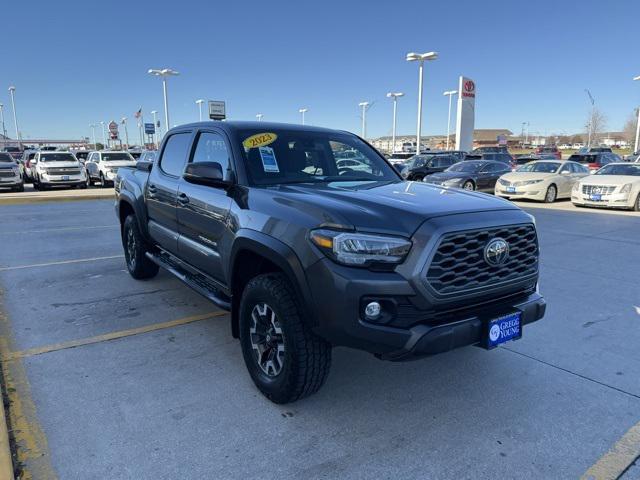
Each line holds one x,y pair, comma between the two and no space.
269,162
259,140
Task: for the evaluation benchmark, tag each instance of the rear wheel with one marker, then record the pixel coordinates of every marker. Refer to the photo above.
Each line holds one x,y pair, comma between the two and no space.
468,185
135,249
552,193
285,359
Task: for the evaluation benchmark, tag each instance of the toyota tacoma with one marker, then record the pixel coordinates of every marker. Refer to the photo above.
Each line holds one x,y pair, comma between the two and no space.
306,254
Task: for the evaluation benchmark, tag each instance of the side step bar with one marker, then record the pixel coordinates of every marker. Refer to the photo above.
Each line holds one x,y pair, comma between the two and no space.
198,282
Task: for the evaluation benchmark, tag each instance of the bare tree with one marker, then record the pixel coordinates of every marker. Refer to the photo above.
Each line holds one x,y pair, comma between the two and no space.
596,124
629,129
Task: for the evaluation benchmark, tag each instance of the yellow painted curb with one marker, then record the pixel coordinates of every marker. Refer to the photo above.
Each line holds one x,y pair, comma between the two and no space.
6,465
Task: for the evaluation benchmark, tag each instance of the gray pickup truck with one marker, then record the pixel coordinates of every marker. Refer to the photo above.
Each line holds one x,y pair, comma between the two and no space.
307,254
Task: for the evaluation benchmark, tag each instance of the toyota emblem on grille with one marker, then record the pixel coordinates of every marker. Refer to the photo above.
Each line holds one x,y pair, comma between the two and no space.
496,252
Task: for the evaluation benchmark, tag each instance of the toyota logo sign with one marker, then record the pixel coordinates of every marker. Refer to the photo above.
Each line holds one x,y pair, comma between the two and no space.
469,86
496,252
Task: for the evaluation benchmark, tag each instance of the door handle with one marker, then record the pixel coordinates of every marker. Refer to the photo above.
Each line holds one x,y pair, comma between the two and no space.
183,199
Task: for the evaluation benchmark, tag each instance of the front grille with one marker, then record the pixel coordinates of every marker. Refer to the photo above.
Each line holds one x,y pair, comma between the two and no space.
6,173
597,189
63,171
459,266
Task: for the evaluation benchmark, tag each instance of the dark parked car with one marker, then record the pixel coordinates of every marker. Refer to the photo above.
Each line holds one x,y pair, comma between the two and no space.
595,160
493,156
552,150
422,165
493,149
479,175
259,218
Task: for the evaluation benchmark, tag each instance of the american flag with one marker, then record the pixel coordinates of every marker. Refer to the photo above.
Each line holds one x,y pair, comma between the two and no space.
138,114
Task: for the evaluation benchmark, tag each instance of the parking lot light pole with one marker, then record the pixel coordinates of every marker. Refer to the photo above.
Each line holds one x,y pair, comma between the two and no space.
126,130
395,111
155,122
199,102
593,102
303,111
104,136
420,57
4,130
259,117
93,135
12,91
164,73
450,94
635,149
365,107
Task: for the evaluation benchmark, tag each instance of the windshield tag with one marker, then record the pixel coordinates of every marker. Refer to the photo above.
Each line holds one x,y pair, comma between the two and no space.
259,140
269,162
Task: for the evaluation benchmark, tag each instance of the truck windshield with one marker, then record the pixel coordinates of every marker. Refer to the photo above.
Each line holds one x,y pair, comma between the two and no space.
57,157
117,157
4,158
277,156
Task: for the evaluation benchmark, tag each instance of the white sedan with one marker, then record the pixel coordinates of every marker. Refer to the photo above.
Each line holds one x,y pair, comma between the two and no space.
616,185
542,180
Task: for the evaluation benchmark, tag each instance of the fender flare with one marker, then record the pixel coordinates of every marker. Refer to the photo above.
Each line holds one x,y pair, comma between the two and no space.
127,197
283,257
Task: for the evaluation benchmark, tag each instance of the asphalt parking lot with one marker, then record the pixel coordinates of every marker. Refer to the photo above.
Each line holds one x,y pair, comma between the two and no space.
109,377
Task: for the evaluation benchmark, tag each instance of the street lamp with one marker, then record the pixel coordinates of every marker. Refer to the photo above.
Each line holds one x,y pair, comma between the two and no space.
123,121
199,102
637,124
420,57
395,110
93,135
259,117
12,91
164,73
104,136
4,130
303,111
450,94
155,128
365,107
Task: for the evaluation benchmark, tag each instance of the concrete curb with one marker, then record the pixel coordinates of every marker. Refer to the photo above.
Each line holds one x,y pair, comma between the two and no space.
6,464
19,199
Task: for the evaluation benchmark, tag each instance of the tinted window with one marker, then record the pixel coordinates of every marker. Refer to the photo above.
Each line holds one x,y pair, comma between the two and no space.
212,148
174,155
4,158
57,157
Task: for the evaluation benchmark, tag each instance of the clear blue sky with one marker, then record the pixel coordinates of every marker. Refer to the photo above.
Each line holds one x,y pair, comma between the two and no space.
78,62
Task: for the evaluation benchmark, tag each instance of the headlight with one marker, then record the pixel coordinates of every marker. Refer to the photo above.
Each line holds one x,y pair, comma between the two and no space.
626,188
16,170
576,187
530,182
453,181
359,249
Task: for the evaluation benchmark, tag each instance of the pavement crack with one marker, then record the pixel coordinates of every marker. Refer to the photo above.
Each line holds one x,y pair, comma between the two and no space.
579,375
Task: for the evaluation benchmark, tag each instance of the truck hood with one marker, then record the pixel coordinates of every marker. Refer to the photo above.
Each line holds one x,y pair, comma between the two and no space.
398,207
120,163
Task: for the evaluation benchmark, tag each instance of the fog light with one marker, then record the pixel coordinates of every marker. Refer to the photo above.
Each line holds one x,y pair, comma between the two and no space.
372,310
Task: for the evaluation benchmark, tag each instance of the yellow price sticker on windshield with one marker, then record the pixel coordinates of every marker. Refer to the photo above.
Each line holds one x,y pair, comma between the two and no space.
259,140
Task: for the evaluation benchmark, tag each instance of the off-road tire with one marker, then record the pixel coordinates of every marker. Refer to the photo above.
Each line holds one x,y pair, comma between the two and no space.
307,357
138,265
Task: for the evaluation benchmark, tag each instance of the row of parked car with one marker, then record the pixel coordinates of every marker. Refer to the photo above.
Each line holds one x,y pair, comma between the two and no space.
52,168
543,177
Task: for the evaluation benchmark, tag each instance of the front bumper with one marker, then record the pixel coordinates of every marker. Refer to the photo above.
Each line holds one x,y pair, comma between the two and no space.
613,200
416,330
62,179
532,192
11,182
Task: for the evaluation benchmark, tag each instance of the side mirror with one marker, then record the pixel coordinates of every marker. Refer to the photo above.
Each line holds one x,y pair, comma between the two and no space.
565,172
205,173
144,166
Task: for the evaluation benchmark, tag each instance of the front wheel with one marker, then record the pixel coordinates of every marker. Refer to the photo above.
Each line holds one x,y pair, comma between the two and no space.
636,207
551,194
103,182
135,249
468,185
285,359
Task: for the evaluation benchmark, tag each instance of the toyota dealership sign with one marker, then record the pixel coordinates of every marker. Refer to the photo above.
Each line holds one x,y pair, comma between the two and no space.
466,114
